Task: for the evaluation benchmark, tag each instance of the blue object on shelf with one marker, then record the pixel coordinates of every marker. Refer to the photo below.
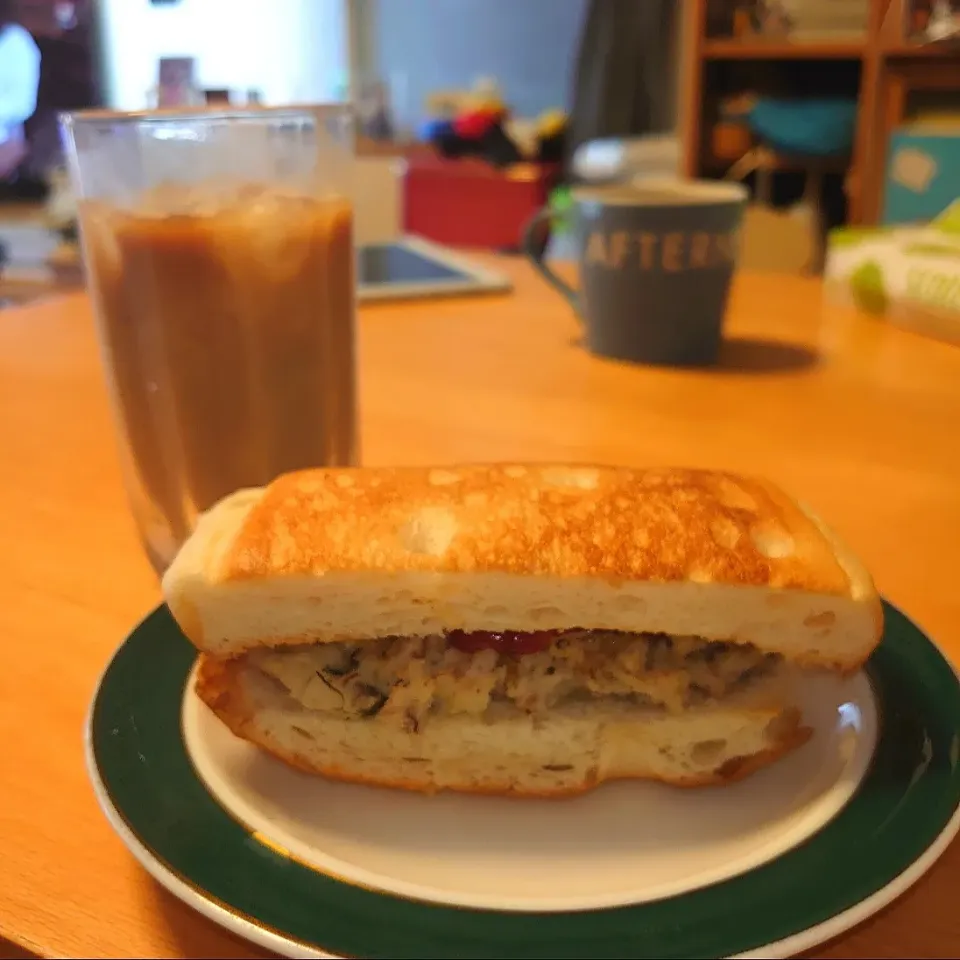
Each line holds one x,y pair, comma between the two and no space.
434,128
812,128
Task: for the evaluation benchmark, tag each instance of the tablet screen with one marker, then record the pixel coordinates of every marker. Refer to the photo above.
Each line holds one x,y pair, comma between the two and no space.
392,263
413,267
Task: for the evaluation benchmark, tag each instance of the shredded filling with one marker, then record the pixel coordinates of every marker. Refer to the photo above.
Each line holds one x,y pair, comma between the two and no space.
413,678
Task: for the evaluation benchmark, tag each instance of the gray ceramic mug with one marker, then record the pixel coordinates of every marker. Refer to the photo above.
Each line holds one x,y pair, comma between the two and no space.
656,258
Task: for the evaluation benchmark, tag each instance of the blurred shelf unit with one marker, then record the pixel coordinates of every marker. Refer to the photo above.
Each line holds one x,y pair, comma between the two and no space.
781,49
925,51
870,49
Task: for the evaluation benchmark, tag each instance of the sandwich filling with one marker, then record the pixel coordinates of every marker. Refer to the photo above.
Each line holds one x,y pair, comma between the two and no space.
410,679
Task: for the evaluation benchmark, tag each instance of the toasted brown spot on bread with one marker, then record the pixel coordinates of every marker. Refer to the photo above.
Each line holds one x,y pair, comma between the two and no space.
613,523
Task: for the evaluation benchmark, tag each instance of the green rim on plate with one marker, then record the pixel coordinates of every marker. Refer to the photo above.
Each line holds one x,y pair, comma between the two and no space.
906,800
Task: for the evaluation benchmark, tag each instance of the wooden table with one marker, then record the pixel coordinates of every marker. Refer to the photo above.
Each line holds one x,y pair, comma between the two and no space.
859,419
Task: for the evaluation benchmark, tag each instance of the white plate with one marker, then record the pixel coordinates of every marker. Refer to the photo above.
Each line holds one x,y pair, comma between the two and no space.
623,843
809,847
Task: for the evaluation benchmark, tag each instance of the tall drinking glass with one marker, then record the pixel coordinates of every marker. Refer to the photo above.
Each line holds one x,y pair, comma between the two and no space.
219,254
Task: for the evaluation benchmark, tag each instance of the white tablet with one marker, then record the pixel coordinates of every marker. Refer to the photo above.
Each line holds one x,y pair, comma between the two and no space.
411,267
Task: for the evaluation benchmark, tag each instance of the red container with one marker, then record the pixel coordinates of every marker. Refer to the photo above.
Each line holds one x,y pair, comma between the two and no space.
468,203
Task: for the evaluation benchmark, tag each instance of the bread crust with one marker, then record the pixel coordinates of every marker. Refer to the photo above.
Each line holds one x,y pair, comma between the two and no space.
334,554
219,684
541,520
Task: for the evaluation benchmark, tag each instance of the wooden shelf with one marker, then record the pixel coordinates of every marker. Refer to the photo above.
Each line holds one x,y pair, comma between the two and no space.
759,49
786,163
889,55
794,163
924,51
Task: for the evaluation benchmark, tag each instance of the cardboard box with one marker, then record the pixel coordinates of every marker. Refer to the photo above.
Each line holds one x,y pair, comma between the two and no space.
923,172
908,276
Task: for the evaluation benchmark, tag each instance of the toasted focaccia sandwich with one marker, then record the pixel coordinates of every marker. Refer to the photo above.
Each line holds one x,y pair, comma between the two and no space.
528,629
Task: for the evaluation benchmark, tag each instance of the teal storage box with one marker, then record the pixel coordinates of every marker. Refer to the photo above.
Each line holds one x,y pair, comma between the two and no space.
923,172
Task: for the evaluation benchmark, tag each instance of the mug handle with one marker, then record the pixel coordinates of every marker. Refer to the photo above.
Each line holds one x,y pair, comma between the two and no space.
533,252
